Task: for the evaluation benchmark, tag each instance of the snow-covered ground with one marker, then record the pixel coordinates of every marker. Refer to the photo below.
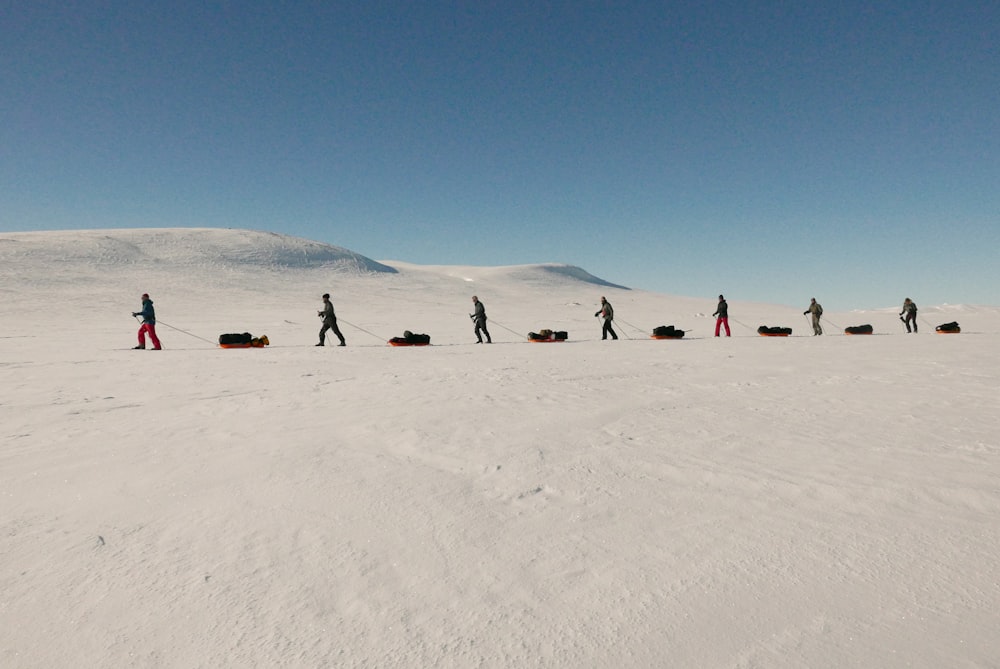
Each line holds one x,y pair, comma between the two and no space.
745,502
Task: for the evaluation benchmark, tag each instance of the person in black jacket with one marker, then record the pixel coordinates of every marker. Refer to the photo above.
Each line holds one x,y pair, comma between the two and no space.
910,313
329,322
722,313
479,318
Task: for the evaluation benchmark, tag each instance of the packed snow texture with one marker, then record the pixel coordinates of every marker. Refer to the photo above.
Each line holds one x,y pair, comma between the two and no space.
735,502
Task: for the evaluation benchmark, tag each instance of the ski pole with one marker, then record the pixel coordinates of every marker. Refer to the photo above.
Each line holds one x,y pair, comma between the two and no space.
916,327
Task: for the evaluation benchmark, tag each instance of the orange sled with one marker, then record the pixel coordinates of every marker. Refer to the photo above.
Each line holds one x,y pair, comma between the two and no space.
948,328
229,341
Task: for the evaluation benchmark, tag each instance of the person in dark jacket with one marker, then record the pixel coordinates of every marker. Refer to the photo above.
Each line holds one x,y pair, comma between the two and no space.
910,313
608,314
148,324
329,322
479,318
722,314
816,310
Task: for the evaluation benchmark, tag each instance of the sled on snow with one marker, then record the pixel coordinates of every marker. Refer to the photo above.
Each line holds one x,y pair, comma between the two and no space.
666,332
411,339
243,340
859,330
548,336
765,331
948,328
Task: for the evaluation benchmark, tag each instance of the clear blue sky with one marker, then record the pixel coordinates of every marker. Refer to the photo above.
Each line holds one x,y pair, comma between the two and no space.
773,151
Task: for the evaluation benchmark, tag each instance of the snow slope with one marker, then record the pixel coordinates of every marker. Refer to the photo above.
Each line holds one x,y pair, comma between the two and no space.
744,502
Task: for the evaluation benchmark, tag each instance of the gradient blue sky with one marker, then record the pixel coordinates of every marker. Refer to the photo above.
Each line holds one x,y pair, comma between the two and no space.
772,151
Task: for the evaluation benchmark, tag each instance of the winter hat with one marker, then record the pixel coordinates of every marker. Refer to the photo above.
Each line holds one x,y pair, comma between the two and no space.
326,296
145,296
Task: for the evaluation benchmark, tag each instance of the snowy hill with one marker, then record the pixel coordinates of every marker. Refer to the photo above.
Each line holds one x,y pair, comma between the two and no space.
542,275
182,248
79,253
736,502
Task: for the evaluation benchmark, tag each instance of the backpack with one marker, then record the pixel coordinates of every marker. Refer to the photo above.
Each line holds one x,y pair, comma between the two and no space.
667,331
244,338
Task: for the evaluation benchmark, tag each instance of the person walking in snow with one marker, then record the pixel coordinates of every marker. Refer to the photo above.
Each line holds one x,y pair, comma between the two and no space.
329,322
910,313
148,324
479,318
608,314
722,316
816,310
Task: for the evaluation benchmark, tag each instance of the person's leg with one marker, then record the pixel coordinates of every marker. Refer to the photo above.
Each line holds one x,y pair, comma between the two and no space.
151,329
718,324
489,339
725,321
479,337
336,331
322,334
142,336
611,330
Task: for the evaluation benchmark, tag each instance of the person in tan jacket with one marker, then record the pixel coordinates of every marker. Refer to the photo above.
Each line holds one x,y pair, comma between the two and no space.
608,314
816,310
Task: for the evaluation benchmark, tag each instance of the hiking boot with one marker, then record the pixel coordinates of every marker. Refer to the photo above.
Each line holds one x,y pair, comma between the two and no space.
321,344
343,343
139,347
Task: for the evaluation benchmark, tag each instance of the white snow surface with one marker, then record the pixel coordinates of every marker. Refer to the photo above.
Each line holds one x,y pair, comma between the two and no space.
734,502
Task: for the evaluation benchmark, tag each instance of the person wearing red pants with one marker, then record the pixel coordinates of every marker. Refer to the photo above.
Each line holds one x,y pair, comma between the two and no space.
722,314
148,323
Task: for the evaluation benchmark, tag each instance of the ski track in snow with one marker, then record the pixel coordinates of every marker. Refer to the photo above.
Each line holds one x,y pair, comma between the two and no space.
743,502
